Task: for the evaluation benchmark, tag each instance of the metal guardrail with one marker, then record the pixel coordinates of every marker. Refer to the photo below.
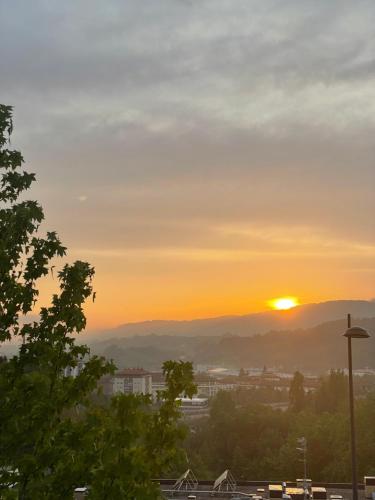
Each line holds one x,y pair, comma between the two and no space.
207,482
216,494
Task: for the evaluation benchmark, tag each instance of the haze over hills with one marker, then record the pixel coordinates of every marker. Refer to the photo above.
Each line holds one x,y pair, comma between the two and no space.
303,316
289,339
316,347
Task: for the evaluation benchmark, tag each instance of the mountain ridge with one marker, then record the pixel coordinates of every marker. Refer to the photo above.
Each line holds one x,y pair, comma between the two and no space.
303,316
315,349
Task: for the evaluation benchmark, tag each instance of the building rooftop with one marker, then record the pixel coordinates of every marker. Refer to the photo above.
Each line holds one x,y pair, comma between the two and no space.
251,489
132,372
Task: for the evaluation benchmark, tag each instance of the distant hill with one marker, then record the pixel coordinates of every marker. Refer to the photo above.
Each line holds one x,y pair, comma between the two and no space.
313,349
149,351
304,316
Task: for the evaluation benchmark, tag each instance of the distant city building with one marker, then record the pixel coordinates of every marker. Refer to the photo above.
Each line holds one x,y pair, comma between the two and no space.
132,381
188,405
206,387
140,381
158,383
74,371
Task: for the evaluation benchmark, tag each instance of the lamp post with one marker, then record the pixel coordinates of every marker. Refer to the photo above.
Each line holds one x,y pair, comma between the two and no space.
353,332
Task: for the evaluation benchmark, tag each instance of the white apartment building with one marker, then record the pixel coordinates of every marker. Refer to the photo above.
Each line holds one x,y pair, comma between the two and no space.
132,381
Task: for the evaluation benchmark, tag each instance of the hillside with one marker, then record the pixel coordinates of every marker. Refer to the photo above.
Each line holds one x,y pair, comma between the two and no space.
304,316
314,349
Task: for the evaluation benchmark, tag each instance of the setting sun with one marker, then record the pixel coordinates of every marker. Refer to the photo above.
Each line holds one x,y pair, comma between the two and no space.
284,303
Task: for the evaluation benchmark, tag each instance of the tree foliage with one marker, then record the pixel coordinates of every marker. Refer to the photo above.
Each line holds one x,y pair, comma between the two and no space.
297,392
259,443
332,392
53,437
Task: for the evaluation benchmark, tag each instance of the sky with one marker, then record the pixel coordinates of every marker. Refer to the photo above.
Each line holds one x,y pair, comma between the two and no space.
204,155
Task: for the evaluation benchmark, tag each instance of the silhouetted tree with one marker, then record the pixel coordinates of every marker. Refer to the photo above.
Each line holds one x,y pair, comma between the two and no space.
297,392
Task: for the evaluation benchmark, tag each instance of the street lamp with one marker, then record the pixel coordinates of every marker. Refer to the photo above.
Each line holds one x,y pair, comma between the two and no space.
353,332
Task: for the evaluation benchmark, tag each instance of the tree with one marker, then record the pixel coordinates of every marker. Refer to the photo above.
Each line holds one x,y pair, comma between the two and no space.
332,392
53,438
137,444
35,437
297,392
222,406
255,441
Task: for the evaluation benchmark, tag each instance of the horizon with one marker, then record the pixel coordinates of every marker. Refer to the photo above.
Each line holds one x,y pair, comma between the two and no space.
281,312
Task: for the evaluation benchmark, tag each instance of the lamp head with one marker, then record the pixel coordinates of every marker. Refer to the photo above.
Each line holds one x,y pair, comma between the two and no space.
356,332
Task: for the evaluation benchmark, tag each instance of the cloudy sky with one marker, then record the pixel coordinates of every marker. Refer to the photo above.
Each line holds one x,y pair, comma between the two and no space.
204,155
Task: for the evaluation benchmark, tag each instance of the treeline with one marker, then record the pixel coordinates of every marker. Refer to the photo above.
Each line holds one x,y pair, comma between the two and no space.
265,395
258,443
313,349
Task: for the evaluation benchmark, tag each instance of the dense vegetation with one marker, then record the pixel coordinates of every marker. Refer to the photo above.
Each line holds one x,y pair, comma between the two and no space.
257,442
55,435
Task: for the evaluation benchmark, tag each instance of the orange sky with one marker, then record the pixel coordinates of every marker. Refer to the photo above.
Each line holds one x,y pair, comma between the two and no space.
192,285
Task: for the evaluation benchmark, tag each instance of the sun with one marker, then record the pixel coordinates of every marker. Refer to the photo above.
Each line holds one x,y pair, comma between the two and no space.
283,303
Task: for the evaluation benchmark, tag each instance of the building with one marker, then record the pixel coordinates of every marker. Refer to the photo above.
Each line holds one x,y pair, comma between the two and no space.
158,384
132,381
74,371
193,406
207,387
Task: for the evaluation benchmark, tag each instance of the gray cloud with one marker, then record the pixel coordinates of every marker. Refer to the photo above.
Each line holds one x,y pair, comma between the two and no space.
181,111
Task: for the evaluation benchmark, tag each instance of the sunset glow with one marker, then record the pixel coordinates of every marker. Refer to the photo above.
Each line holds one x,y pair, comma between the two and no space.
284,303
195,187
